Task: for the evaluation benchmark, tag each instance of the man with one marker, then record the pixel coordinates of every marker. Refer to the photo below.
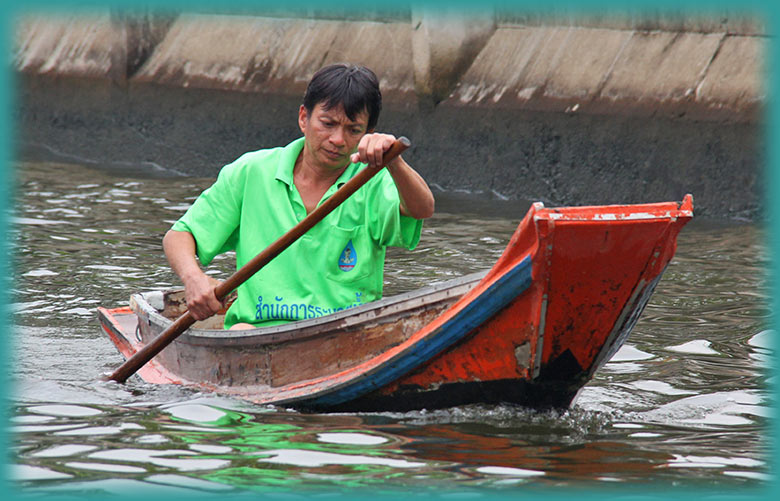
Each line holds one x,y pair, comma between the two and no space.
338,263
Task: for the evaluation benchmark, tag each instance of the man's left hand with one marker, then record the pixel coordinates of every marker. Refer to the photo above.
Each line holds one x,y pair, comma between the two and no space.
371,149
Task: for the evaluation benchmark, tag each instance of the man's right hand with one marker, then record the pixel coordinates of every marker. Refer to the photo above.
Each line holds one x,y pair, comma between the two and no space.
201,300
179,248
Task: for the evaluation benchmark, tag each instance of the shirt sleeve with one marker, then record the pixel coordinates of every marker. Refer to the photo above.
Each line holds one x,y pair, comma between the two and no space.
214,218
389,226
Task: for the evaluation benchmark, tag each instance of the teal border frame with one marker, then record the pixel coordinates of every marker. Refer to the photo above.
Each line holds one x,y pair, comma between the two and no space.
772,129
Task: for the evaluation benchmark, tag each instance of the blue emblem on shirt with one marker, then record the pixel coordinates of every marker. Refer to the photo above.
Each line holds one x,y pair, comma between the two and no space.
348,258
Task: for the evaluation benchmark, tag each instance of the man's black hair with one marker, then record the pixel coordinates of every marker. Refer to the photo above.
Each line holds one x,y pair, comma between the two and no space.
354,87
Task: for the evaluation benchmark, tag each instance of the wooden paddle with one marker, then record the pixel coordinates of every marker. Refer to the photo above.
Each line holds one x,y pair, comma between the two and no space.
181,324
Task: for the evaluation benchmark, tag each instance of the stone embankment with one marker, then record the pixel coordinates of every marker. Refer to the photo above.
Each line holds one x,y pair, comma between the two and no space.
564,112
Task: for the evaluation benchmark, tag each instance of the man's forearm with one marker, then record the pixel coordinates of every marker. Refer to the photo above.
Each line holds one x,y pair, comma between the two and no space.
180,250
416,198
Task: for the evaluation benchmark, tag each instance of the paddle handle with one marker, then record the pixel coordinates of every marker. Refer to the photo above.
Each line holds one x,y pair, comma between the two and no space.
224,288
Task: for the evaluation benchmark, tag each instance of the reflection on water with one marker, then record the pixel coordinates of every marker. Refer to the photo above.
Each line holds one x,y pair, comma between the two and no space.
683,402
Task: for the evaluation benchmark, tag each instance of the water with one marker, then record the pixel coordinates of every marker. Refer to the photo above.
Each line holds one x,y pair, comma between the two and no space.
685,402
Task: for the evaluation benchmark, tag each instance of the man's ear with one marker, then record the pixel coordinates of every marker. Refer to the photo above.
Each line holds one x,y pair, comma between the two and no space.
303,118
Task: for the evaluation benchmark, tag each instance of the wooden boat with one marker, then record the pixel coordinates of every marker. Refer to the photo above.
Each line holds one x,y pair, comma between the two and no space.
532,330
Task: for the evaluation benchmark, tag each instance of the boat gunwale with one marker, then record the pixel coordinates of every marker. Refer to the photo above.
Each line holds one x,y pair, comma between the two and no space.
380,311
617,212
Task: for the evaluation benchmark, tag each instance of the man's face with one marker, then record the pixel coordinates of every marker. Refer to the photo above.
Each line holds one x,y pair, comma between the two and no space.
331,137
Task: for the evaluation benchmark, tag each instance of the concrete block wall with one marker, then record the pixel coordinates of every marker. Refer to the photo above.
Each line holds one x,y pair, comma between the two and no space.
565,110
454,60
595,70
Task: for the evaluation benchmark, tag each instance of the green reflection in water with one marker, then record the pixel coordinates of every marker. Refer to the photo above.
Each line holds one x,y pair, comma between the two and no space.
272,455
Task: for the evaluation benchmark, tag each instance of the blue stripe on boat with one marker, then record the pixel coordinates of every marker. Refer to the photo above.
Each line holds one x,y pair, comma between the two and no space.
487,304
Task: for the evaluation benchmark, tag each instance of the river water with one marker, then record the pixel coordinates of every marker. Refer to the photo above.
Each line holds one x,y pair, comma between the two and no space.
684,404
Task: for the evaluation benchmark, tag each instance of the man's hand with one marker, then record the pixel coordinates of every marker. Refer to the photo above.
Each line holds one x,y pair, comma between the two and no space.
371,149
201,300
179,248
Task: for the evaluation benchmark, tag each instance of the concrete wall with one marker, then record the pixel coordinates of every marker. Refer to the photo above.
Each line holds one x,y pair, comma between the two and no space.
591,70
509,89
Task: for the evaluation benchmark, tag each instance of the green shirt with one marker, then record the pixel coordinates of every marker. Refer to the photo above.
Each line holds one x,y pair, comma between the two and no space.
337,264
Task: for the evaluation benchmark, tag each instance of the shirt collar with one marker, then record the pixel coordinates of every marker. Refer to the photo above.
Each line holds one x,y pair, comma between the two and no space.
284,171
